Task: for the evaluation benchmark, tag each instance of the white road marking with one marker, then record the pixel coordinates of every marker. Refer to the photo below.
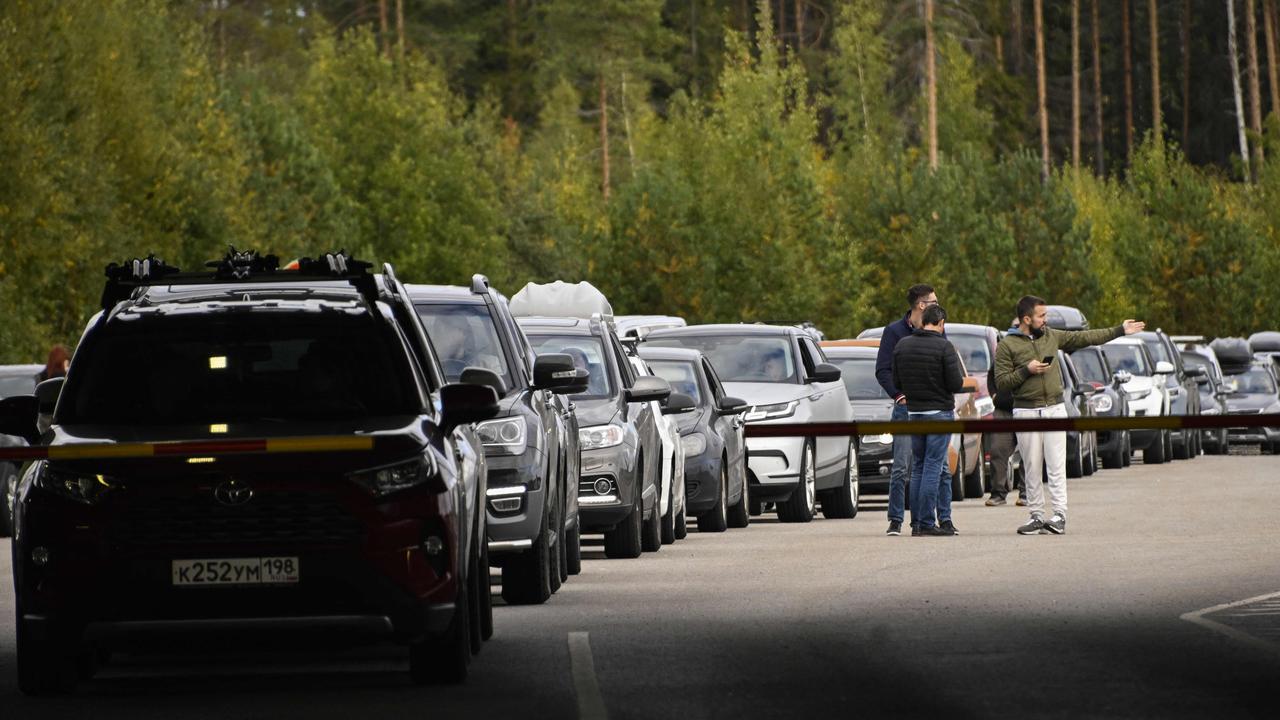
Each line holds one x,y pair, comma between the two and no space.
1197,617
590,701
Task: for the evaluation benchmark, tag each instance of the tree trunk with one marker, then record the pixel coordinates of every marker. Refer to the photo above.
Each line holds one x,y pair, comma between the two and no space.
400,30
1235,85
1127,35
1186,74
513,44
1099,159
1255,92
382,24
1157,119
931,83
1042,109
744,17
1015,32
1075,84
1273,72
222,42
604,138
799,24
782,22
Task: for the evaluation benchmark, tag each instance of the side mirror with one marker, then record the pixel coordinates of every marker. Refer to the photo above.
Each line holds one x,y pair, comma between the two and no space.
47,394
1164,367
558,373
1084,391
824,373
732,406
461,404
1122,376
487,378
648,388
1195,372
18,417
678,403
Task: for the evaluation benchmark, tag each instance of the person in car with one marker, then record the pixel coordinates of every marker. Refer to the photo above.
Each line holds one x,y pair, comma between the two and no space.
927,370
775,366
1037,393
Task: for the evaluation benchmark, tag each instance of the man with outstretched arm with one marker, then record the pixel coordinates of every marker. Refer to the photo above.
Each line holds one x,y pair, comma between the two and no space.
1025,364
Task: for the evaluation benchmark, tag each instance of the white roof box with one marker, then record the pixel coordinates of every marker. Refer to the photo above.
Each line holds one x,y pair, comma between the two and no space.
561,299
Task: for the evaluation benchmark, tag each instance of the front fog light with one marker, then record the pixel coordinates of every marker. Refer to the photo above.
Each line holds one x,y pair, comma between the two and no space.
505,504
602,486
40,556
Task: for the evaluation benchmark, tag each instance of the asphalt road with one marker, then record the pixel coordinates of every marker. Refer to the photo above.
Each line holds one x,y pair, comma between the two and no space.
830,619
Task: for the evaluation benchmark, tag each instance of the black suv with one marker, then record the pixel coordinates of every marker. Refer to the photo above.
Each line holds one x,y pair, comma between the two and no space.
218,514
532,447
620,479
1114,446
1184,393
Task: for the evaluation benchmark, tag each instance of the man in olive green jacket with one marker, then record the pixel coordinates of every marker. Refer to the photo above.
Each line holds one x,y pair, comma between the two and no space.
1025,365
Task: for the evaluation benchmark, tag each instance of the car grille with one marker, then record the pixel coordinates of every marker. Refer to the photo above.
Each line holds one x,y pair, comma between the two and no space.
270,518
1249,411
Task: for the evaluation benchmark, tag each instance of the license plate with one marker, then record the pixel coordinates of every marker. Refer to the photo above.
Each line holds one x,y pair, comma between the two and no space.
236,571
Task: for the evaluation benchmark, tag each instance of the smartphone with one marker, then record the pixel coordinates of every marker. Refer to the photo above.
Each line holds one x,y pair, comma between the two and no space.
1047,360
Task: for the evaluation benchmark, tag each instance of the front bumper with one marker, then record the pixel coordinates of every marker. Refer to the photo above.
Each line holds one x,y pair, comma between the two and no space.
875,463
1253,434
701,483
516,500
773,467
602,512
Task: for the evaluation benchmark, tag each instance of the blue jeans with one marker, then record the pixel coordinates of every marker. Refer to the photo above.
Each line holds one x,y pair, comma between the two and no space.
929,460
902,452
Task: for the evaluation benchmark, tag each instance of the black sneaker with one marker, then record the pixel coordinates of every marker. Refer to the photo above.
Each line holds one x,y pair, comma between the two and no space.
948,525
931,531
915,530
1056,525
995,500
895,528
1035,527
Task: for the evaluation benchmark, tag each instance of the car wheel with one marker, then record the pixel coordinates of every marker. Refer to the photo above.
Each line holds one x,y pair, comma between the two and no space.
624,540
1224,444
475,581
1154,454
717,518
975,484
842,502
526,578
485,598
682,525
573,550
800,506
755,508
1182,450
740,512
46,662
1075,463
1168,446
8,495
651,534
1128,449
444,660
669,520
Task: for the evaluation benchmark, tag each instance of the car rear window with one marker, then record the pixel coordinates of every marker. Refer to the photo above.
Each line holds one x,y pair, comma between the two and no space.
587,353
738,358
246,369
682,376
859,376
1129,358
464,336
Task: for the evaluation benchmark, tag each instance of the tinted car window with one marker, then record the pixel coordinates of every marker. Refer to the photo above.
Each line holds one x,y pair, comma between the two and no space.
859,376
1253,381
464,336
587,353
753,358
973,350
1090,366
248,370
1129,358
1158,350
681,375
1193,360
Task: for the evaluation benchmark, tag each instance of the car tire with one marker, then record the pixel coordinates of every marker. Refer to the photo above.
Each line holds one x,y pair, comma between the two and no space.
1128,449
841,503
8,490
740,512
1182,450
526,578
475,624
1168,446
669,520
717,518
1224,444
755,508
800,507
682,525
485,599
47,664
623,542
651,534
1154,454
1075,463
975,484
444,660
573,550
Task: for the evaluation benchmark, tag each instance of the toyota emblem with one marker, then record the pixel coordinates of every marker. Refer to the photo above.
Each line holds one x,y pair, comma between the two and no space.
233,492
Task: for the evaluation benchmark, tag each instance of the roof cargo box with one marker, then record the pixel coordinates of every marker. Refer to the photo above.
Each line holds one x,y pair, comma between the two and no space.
561,299
1268,341
1233,353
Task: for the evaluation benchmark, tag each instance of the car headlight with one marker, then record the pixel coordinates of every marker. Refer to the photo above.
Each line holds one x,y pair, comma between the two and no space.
1139,394
1101,403
87,488
383,481
694,444
882,439
771,412
507,435
600,436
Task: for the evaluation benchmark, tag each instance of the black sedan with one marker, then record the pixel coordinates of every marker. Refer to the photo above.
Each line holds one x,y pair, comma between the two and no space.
870,404
715,465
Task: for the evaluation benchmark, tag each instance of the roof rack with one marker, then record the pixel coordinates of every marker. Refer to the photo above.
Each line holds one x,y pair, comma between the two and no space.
236,267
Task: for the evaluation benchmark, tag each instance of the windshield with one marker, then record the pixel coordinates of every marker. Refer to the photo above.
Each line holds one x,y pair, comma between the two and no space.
1255,381
1129,358
1089,365
587,353
1158,350
974,351
11,385
465,336
859,376
681,375
738,358
240,369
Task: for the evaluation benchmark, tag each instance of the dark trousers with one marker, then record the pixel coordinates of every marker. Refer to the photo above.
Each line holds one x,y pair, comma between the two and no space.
1001,447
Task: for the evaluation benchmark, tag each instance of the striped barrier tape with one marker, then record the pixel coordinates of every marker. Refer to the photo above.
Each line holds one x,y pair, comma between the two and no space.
190,448
946,427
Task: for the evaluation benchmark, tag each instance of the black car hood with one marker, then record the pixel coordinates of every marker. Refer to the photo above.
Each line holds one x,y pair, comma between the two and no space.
595,412
691,421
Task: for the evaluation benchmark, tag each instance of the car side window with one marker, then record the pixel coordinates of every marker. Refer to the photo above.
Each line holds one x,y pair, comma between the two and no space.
806,357
814,350
717,391
620,359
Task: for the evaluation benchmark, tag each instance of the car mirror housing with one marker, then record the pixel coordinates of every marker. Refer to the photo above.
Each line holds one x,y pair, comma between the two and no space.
1196,372
461,403
678,403
558,372
648,388
824,373
18,417
1122,376
1164,367
732,406
487,378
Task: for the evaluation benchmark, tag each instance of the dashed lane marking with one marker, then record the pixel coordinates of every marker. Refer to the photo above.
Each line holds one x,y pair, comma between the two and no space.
590,701
1244,613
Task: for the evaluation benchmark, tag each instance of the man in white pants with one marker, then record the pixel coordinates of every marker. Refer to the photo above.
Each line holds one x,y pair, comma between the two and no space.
1025,365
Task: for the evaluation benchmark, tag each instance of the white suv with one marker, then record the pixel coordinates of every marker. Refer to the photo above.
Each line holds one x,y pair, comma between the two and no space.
1146,392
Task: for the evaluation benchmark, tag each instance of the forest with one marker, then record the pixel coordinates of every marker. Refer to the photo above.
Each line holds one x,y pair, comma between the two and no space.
722,160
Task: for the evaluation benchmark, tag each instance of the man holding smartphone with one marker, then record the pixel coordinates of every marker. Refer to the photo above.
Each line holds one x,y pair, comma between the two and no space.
1025,366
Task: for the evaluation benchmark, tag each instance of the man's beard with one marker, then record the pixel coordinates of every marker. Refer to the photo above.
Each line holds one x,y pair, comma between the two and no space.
1037,332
